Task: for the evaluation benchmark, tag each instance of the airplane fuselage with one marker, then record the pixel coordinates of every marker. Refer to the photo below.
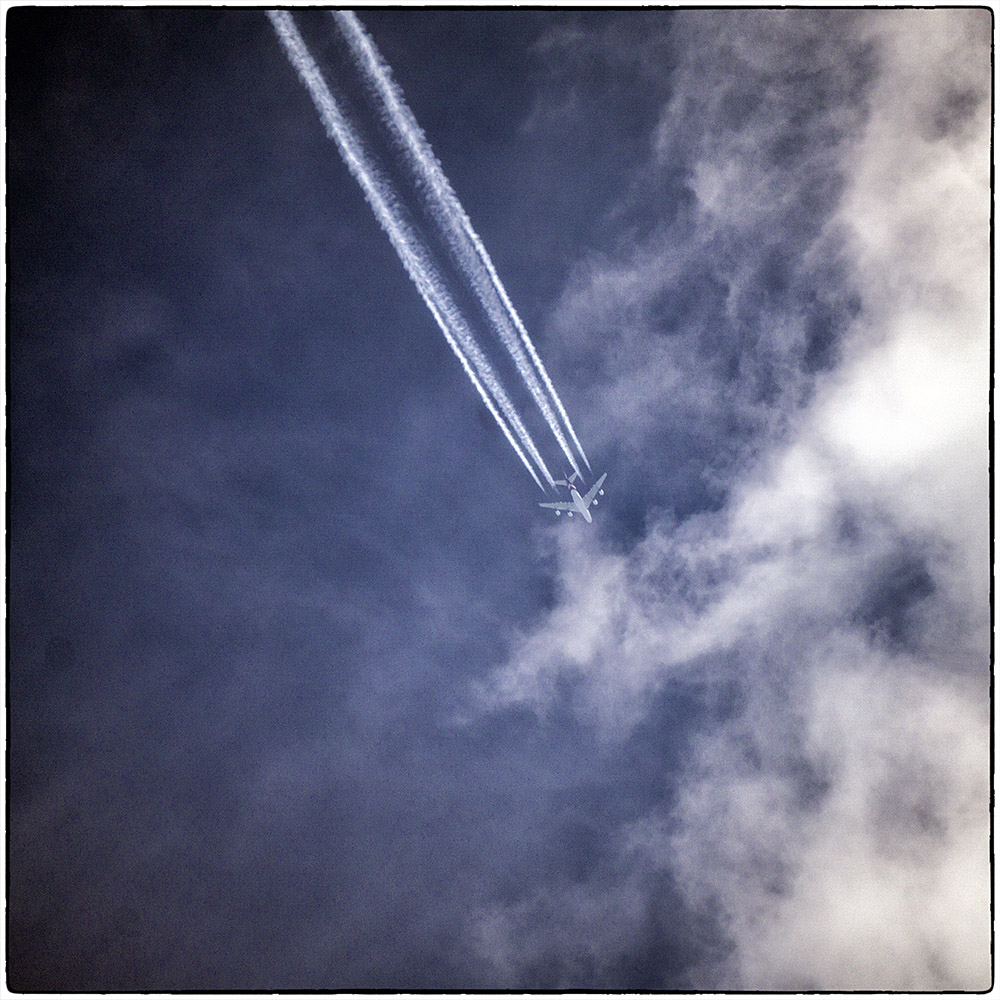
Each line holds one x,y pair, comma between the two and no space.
579,504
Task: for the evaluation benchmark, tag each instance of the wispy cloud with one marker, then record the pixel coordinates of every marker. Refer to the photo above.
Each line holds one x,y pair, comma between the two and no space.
835,817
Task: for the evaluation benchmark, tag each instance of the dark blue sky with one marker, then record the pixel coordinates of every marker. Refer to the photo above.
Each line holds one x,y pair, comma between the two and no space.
304,689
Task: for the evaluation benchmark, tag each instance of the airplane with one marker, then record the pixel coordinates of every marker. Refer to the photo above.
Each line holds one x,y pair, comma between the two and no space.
580,503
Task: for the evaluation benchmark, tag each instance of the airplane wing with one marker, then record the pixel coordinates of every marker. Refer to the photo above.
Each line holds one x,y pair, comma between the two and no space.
592,492
558,506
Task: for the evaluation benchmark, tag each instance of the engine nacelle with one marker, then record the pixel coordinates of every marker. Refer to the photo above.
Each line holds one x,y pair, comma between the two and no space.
558,513
601,492
595,501
569,513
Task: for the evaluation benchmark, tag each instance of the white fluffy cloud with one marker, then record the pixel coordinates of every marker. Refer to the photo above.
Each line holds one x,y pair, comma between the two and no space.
837,822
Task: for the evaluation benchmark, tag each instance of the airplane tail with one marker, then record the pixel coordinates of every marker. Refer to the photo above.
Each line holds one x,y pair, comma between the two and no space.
566,482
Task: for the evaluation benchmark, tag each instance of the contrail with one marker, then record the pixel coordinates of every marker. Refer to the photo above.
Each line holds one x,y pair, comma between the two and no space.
381,198
467,247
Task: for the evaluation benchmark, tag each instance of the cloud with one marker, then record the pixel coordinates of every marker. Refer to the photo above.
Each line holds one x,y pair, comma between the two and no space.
834,821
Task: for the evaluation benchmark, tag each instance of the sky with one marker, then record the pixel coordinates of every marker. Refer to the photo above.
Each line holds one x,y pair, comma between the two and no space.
304,689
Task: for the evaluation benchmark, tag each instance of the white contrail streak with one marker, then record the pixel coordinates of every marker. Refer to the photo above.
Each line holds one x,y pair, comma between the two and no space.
383,203
463,240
